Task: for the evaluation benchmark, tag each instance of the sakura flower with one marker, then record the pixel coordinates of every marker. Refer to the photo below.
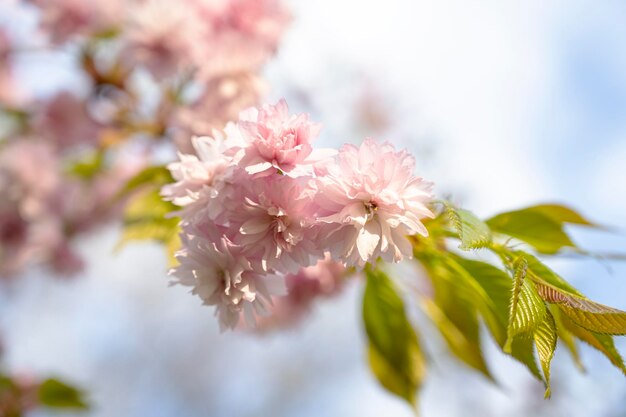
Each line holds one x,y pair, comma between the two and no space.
372,201
65,120
271,140
29,176
165,37
64,19
274,218
218,273
224,97
322,280
197,176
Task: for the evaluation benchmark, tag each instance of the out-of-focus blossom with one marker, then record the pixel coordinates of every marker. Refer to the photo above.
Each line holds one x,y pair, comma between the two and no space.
43,208
244,33
221,101
221,276
322,280
372,201
65,19
28,178
165,37
18,395
11,95
65,120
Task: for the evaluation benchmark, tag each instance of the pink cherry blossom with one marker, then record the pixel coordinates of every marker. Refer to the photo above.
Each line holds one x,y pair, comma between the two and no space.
197,177
259,203
29,177
66,122
165,37
221,276
64,19
372,201
244,34
270,140
224,97
275,221
322,280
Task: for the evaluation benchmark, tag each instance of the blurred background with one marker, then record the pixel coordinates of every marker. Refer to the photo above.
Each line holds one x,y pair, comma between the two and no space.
503,105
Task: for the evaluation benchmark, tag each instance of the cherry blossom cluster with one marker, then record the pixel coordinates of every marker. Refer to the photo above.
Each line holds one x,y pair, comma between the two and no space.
259,202
149,75
203,54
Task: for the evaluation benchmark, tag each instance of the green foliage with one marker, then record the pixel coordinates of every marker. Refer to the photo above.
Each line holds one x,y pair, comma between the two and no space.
601,342
527,310
88,167
152,177
567,338
535,228
147,216
395,355
545,340
526,306
473,232
585,313
561,214
57,394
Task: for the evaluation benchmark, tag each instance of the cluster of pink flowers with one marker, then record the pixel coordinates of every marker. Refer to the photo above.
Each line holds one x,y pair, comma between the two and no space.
216,47
42,208
259,202
152,73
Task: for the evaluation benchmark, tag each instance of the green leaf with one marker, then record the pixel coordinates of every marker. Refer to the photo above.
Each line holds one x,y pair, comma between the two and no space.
473,232
527,310
496,284
601,342
588,314
545,339
534,228
460,329
497,287
537,269
567,338
57,394
145,219
395,354
523,349
156,176
88,167
560,214
454,312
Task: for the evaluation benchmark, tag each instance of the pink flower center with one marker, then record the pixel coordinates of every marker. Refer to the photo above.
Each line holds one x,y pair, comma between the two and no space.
370,208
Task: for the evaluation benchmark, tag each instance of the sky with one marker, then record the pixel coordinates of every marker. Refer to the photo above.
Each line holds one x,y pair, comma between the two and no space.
504,105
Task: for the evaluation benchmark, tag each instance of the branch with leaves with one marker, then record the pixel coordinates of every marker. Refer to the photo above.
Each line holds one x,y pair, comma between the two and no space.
525,306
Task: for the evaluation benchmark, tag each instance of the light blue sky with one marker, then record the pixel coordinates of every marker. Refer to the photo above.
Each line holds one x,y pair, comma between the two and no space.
504,105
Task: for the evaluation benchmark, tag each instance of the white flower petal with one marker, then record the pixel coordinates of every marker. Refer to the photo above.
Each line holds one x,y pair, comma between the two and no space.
368,239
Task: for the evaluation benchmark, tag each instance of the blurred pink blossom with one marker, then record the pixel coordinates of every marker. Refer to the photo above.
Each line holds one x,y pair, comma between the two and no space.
322,280
165,37
223,98
29,177
65,120
65,19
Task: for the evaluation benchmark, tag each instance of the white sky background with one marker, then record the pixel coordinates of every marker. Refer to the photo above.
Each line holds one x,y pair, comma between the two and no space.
504,105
